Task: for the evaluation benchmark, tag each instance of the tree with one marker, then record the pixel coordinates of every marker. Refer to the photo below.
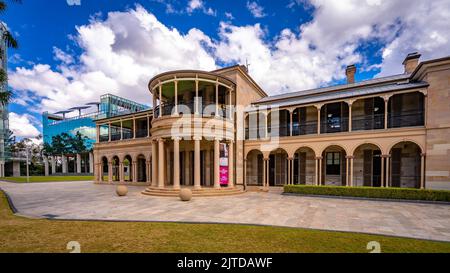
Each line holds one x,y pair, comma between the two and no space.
11,42
77,143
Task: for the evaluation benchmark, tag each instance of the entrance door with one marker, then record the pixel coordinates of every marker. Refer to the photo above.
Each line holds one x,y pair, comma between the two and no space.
376,169
272,170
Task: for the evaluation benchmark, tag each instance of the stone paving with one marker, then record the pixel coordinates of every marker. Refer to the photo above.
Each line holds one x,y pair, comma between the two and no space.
85,200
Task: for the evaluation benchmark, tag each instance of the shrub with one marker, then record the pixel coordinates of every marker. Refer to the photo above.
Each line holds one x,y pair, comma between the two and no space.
369,192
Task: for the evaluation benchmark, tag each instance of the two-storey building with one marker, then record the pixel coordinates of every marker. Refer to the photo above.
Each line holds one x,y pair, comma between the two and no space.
218,132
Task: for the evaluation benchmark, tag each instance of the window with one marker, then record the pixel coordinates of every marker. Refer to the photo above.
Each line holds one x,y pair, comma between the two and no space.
333,163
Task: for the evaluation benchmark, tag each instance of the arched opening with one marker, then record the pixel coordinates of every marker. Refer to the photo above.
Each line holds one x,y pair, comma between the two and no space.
405,110
304,121
334,118
105,171
141,169
254,168
405,165
333,166
278,167
127,169
368,114
367,166
279,123
115,169
304,166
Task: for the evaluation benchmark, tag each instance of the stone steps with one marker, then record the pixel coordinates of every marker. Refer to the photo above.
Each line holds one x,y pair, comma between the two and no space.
170,192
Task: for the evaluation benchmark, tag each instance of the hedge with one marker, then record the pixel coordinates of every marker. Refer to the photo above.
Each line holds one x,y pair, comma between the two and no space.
369,192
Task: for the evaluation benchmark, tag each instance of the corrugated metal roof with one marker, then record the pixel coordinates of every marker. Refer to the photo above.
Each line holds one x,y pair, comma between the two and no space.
354,92
400,77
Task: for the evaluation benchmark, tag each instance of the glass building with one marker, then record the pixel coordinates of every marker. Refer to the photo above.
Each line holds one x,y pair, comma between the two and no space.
4,122
57,123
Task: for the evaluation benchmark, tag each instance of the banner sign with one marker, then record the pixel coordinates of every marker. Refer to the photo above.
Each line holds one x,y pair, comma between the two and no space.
223,162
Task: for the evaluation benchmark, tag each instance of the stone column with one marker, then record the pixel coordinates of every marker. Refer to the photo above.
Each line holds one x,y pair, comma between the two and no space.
231,164
351,170
197,182
64,164
422,171
53,162
264,172
45,166
318,119
134,171
78,156
121,172
316,178
291,123
208,167
154,164
16,168
349,116
289,171
386,104
187,167
176,163
161,163
320,171
388,171
347,176
91,162
268,172
245,173
110,172
216,163
148,165
382,170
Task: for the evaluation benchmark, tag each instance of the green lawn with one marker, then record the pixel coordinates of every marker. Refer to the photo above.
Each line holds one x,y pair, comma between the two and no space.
18,234
37,179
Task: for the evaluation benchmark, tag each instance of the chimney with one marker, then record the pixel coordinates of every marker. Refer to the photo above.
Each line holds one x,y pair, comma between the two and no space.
350,72
411,61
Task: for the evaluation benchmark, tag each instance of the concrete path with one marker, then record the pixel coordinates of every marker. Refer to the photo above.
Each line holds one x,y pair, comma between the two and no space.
85,200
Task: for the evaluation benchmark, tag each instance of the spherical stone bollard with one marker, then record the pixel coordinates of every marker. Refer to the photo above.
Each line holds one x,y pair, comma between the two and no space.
121,190
185,194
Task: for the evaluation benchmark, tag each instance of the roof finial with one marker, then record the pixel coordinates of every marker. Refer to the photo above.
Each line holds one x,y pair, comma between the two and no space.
247,64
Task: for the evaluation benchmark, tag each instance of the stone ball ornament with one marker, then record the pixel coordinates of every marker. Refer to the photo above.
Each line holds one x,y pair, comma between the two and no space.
122,190
185,195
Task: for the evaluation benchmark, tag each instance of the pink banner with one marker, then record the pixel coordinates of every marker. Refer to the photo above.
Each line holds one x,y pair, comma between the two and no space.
223,175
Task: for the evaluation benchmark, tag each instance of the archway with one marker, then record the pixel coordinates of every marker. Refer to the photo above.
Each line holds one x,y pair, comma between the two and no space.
115,169
333,166
304,166
141,169
254,168
278,167
127,169
367,166
405,165
104,170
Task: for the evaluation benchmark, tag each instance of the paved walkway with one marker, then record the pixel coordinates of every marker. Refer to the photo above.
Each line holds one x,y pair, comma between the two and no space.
85,200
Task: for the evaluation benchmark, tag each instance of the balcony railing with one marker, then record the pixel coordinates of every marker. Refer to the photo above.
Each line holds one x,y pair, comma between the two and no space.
104,138
334,125
406,119
141,133
304,128
368,122
207,109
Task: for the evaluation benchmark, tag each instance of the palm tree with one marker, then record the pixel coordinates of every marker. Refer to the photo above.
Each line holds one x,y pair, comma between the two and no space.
11,42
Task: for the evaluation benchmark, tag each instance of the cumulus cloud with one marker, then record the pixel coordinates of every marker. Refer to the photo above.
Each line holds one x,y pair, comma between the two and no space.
121,53
119,56
22,125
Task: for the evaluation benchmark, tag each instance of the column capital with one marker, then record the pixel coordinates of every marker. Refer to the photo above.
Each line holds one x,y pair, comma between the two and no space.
319,157
386,97
350,102
197,138
176,138
318,106
217,139
423,154
349,156
290,158
386,156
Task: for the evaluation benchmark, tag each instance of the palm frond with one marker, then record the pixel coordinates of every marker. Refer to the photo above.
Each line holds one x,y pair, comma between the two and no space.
3,76
10,40
5,97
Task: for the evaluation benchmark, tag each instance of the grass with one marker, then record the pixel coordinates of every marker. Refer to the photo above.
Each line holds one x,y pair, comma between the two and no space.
18,234
37,179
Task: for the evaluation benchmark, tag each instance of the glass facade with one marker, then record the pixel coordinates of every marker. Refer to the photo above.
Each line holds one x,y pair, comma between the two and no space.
109,106
4,122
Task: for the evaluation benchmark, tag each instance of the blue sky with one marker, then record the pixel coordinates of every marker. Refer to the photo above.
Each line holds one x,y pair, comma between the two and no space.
72,51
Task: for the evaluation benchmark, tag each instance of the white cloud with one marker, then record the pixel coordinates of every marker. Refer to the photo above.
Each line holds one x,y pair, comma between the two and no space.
62,56
121,53
194,5
22,125
119,56
255,9
229,15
